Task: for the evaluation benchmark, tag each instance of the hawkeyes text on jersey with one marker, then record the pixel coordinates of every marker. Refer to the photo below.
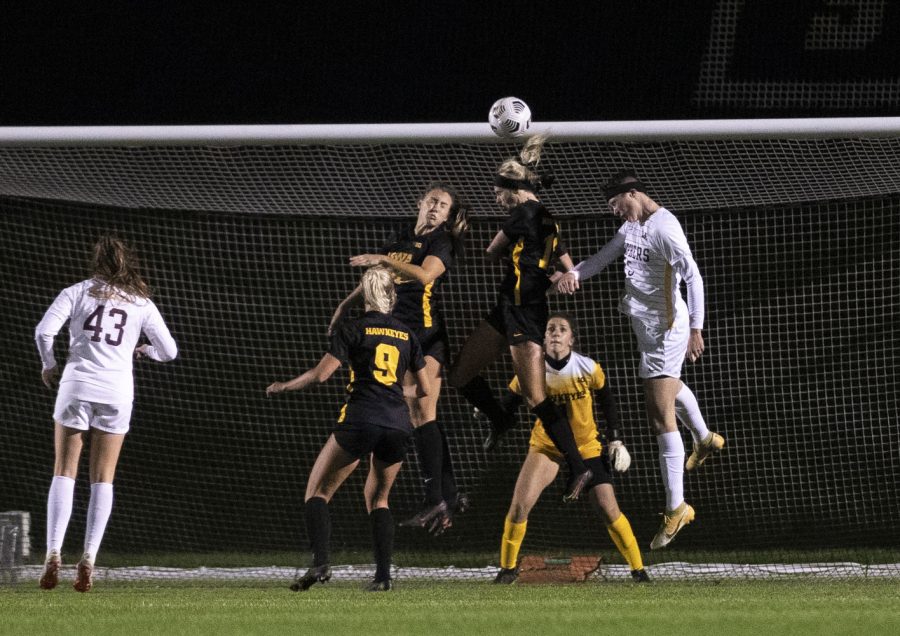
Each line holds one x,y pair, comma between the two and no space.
379,350
573,387
417,304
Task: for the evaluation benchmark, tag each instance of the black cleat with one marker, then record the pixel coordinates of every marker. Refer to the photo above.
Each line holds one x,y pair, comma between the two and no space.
498,430
429,518
576,485
379,586
506,576
460,503
316,574
640,576
493,440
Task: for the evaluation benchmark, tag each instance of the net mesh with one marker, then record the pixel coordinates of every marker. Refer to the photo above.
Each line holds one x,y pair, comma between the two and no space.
246,249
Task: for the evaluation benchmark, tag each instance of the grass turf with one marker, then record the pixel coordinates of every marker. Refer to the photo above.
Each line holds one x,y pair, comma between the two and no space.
795,607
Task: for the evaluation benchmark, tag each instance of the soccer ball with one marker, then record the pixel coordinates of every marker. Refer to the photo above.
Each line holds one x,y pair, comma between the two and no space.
509,117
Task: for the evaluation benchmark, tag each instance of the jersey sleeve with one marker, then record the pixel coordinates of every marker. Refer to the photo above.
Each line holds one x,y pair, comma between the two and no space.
416,359
342,342
162,345
514,385
55,317
672,244
517,225
595,264
598,377
442,248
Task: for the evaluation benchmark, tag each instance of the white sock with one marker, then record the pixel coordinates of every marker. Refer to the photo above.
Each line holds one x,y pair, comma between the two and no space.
688,412
99,509
59,510
671,466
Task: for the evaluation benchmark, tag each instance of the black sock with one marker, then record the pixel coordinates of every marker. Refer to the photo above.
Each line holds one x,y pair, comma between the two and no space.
429,448
448,479
557,426
318,529
478,393
382,541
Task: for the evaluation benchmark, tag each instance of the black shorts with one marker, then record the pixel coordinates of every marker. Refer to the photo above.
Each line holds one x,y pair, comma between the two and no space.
601,469
361,438
435,343
520,323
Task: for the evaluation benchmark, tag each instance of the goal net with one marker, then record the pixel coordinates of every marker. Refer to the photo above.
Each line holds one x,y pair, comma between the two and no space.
245,242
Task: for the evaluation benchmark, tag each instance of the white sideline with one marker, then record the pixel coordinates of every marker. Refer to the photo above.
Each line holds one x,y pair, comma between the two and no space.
663,571
306,134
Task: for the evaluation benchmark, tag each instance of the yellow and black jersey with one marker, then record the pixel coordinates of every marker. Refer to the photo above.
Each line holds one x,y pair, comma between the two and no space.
418,304
379,350
573,386
534,245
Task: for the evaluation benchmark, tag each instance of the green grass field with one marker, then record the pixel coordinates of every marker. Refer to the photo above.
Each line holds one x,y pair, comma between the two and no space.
662,608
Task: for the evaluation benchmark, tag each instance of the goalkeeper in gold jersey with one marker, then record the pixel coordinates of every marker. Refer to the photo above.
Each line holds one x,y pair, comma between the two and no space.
572,380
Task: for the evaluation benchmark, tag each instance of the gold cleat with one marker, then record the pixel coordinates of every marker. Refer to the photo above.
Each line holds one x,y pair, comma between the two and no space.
673,521
712,444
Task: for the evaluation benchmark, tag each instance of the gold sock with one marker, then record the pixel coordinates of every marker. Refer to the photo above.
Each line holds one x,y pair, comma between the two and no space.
622,535
513,534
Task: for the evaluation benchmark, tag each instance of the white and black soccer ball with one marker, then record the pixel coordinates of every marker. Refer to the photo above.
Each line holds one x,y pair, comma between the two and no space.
509,117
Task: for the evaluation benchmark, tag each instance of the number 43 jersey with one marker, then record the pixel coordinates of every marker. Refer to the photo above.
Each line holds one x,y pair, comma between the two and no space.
380,350
103,333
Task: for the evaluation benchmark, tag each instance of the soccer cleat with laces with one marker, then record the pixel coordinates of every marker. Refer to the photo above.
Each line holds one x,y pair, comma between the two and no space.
577,485
315,574
84,576
711,444
430,518
673,521
640,576
50,577
506,576
385,585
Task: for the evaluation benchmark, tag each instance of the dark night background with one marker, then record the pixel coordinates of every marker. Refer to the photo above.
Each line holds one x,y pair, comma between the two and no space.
434,61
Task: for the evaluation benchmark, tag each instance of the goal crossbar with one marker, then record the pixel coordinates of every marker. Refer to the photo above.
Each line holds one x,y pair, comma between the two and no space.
311,134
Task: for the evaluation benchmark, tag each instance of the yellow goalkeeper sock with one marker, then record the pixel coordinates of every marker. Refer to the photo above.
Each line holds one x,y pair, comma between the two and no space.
622,535
513,534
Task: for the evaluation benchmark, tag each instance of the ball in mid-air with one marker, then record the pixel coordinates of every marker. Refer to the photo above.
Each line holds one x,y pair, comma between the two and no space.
509,117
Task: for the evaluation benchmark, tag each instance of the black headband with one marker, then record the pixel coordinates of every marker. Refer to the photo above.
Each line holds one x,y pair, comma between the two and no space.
513,184
616,189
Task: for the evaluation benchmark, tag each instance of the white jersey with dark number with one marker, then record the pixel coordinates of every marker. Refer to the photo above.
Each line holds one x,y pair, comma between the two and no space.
657,259
103,333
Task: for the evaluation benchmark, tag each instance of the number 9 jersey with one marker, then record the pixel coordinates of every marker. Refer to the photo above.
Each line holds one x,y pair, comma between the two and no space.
103,333
380,350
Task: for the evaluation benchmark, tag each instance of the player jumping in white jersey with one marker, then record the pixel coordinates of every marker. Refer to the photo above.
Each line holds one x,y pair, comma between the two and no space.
668,330
106,315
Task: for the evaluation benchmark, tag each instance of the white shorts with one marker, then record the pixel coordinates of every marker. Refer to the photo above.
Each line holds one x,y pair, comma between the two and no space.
662,351
74,413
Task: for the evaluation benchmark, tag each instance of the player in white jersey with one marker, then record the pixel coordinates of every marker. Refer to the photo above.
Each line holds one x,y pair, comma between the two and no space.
668,330
106,314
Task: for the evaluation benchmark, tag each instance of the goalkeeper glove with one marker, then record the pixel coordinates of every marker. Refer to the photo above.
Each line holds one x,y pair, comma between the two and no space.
619,456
